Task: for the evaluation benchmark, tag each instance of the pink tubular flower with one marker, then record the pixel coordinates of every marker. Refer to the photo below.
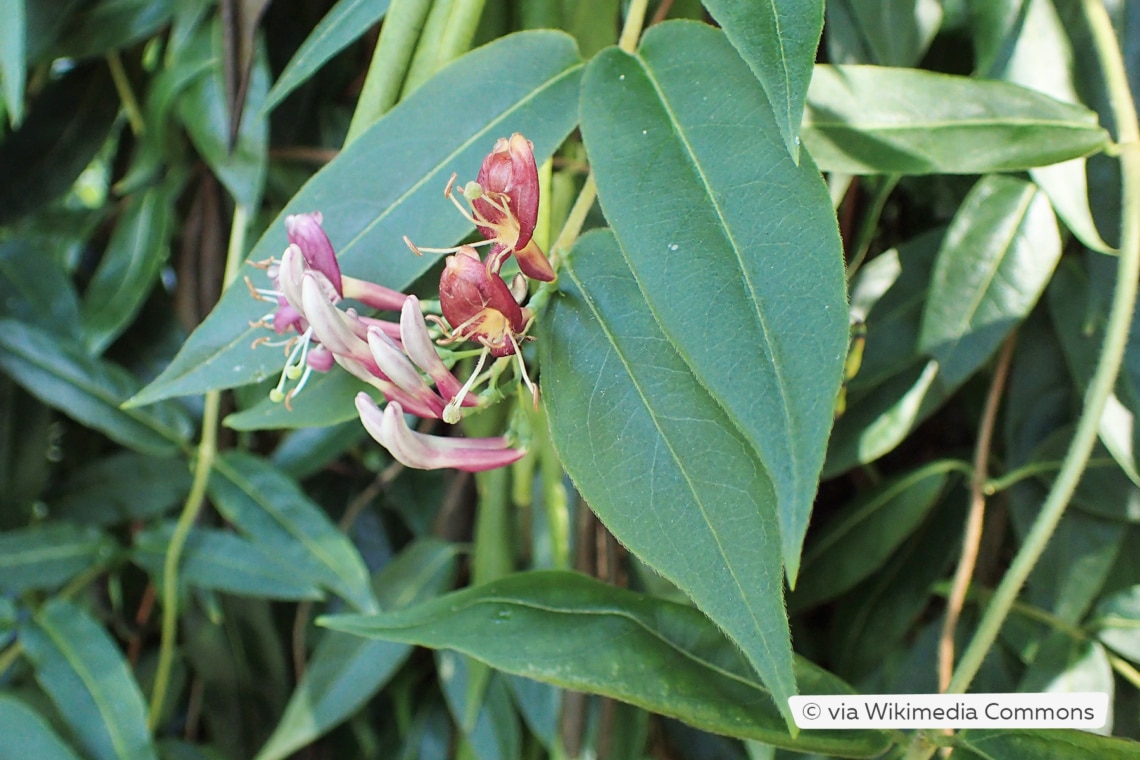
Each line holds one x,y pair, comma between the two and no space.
429,452
478,305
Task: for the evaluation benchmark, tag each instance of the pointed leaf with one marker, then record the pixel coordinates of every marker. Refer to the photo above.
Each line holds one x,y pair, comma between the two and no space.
659,460
221,561
879,120
347,21
697,185
87,678
344,670
663,656
882,32
777,39
268,505
995,261
27,735
12,57
46,556
389,183
135,255
88,390
1045,744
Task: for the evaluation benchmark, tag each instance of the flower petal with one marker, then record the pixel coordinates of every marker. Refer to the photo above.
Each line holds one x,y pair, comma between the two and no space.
306,232
394,363
420,349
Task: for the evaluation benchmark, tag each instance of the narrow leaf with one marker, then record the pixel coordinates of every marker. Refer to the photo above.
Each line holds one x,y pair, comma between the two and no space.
659,460
87,678
659,655
327,400
755,305
879,120
27,735
47,556
124,486
778,40
269,506
221,561
995,261
388,183
88,390
135,255
35,289
347,21
1045,744
12,57
345,671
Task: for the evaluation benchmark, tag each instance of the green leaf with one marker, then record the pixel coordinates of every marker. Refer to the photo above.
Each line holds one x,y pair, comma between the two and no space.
1045,744
221,561
12,57
134,257
878,120
659,460
269,506
389,183
866,533
36,290
493,733
345,671
995,261
778,40
27,735
326,400
753,304
1065,665
84,673
67,125
47,556
124,486
882,32
108,25
88,390
342,25
662,656
1117,622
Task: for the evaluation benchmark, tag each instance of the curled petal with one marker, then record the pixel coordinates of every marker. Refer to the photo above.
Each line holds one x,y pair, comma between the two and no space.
391,391
510,170
533,262
400,370
330,324
372,295
287,318
466,288
428,452
420,349
290,274
305,232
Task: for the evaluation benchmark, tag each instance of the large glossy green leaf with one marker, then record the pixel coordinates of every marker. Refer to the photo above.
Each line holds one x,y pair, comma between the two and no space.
778,40
698,187
345,670
12,56
124,486
867,531
658,459
221,561
342,25
578,633
134,257
995,261
88,390
1045,744
389,183
86,676
27,735
46,556
878,120
64,129
269,506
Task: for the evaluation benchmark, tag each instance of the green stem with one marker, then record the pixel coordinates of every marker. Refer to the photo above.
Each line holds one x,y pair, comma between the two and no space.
207,451
447,35
398,37
870,223
10,655
1108,365
126,94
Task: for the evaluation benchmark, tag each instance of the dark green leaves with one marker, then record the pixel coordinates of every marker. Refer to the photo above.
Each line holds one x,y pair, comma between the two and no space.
82,670
875,120
27,735
995,261
778,40
47,556
733,246
658,459
389,183
662,656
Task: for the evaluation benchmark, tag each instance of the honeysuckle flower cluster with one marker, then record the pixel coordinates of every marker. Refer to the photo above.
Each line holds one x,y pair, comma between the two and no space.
400,358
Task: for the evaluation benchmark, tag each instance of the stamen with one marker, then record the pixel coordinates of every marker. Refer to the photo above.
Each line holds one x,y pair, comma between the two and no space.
522,371
451,413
